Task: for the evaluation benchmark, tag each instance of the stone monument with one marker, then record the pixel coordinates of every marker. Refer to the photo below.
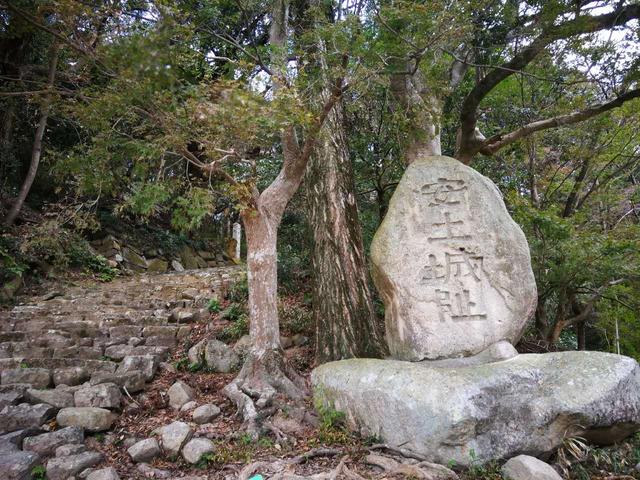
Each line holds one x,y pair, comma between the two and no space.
455,275
451,265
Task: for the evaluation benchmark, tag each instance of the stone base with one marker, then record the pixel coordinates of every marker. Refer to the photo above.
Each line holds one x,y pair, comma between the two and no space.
526,404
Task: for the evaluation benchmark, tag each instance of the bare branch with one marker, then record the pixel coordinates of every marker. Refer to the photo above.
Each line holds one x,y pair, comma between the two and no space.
495,143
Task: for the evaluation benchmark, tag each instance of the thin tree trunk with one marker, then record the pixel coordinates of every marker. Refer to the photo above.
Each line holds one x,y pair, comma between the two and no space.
345,320
262,276
37,142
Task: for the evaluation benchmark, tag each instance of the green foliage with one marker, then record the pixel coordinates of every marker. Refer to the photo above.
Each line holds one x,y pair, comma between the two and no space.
39,473
190,210
239,291
238,328
213,306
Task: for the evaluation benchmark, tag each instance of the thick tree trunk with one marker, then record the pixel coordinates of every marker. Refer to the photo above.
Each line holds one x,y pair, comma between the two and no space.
37,143
423,108
345,321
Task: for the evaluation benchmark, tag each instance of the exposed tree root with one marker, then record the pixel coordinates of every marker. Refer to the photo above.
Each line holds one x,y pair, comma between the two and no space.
283,469
263,379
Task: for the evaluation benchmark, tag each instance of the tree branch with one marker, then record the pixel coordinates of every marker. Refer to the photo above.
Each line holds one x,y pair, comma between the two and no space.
495,143
469,142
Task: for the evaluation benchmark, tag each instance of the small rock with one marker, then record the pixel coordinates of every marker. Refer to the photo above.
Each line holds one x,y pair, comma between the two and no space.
147,364
58,398
118,352
177,266
205,413
47,443
145,450
103,395
70,449
196,353
179,394
17,465
299,340
151,472
17,417
104,474
92,419
190,294
188,406
174,436
36,377
135,341
62,468
285,342
524,467
242,346
12,442
133,380
196,448
70,376
12,394
220,358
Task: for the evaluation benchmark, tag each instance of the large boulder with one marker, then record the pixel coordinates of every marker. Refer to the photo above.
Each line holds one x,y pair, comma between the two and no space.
451,265
47,443
528,403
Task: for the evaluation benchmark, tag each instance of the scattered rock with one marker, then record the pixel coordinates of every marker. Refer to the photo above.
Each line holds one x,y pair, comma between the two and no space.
299,340
179,394
36,377
444,413
70,449
189,406
17,465
12,394
524,467
196,353
104,474
174,436
11,442
157,265
103,395
151,472
146,364
70,376
17,417
177,266
133,381
196,448
58,398
92,419
145,450
205,413
220,358
61,468
242,346
47,443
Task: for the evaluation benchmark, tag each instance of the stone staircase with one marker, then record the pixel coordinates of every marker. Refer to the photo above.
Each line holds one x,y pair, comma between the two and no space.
74,353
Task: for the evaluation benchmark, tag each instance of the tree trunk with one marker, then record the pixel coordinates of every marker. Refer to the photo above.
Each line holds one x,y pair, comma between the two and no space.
345,322
37,143
423,108
262,276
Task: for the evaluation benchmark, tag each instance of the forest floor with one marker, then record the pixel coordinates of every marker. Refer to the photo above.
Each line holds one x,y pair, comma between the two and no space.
319,447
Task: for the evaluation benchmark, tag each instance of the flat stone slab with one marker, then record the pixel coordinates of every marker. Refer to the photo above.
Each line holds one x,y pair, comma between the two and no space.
451,266
528,403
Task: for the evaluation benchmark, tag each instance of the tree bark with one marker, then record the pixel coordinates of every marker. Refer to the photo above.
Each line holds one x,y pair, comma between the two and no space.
37,142
423,108
345,322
